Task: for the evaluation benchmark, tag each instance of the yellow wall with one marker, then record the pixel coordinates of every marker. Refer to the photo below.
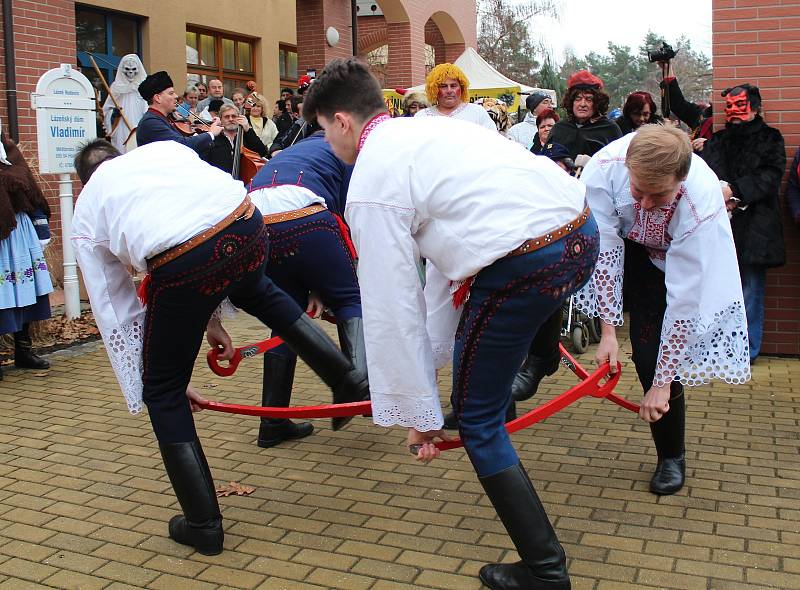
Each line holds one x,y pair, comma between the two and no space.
164,31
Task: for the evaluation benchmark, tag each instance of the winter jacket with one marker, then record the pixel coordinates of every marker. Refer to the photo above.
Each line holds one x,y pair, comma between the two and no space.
585,139
793,188
751,157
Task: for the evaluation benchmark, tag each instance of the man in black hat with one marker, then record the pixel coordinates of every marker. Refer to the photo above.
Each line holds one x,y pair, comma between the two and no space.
156,125
525,132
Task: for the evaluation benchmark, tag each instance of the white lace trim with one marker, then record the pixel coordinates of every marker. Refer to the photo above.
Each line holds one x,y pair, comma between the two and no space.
696,350
442,353
406,410
225,310
602,295
124,347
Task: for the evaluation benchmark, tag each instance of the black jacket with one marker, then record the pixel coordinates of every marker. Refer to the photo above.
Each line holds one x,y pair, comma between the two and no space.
793,188
751,157
300,129
586,139
221,152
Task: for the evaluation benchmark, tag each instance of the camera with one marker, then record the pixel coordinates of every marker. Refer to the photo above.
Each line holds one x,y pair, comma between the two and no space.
663,52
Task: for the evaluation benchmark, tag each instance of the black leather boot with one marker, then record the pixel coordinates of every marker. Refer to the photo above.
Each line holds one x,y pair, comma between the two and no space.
451,421
200,525
276,392
668,435
24,356
320,353
543,359
543,565
351,341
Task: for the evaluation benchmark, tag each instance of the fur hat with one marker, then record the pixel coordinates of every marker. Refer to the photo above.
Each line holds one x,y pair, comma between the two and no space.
584,79
153,84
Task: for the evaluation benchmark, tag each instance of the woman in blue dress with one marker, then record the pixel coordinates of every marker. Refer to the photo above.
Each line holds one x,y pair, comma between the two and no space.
24,277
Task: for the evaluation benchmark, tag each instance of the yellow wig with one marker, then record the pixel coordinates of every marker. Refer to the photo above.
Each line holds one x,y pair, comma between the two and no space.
441,73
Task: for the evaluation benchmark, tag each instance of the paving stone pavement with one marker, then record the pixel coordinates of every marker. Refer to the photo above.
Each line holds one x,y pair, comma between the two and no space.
84,499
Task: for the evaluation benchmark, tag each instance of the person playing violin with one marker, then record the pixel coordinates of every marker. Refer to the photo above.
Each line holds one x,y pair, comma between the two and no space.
223,147
157,123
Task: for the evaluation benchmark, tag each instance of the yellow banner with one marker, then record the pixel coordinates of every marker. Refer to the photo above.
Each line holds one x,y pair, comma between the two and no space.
394,100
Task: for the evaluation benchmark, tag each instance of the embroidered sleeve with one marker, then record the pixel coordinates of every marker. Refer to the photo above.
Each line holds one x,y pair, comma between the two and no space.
402,378
602,295
118,313
704,334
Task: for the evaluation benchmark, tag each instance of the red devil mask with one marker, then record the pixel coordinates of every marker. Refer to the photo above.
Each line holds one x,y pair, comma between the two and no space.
737,107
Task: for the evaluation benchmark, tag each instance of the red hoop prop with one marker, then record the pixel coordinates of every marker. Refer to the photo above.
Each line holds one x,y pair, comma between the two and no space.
591,385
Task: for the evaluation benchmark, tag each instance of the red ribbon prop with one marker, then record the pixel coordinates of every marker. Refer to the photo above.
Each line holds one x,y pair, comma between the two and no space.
591,385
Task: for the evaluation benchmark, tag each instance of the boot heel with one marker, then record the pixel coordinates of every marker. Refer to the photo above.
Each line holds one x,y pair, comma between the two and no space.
206,539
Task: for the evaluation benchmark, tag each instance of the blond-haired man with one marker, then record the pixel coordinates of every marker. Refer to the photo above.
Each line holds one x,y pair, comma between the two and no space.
667,250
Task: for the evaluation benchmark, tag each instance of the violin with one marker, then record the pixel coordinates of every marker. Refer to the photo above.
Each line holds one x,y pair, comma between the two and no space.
188,128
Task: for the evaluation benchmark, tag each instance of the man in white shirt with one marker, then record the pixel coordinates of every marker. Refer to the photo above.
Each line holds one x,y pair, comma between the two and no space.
447,88
667,249
162,209
509,237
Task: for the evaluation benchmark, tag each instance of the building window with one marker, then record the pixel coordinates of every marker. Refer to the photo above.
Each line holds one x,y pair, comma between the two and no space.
107,36
287,65
210,54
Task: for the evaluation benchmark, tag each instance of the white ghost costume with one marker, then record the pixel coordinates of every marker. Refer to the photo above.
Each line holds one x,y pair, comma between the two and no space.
125,89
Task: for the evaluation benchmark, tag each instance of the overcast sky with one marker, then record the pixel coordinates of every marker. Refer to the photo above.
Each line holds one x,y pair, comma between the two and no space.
588,25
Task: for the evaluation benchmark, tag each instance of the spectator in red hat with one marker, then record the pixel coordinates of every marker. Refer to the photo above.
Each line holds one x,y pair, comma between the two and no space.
586,128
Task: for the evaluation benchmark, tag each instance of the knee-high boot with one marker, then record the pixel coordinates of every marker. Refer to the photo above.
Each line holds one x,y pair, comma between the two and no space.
351,341
320,353
668,435
24,357
200,525
543,565
276,393
543,359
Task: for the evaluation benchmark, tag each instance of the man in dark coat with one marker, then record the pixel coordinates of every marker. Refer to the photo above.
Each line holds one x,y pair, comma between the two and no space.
155,125
222,149
749,158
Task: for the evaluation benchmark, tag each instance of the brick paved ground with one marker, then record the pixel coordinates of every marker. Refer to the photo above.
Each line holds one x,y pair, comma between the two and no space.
84,499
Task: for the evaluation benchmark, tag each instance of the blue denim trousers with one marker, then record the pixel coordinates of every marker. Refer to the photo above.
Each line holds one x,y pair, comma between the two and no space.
754,278
509,300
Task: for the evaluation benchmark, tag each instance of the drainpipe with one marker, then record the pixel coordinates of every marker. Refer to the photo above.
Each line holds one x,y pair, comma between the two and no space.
11,70
354,25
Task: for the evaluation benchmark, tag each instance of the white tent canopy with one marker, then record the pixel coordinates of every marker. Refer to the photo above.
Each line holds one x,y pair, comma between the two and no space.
481,75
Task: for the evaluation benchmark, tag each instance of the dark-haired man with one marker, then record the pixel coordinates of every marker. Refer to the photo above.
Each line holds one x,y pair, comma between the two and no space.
155,125
509,238
750,157
161,209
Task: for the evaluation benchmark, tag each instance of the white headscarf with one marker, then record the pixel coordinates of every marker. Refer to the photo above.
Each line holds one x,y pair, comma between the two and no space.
121,84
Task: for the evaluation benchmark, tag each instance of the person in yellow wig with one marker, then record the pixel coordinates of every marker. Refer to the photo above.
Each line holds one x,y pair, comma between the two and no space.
447,88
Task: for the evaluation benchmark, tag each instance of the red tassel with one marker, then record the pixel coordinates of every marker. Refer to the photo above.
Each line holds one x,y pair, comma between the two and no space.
142,291
345,231
461,294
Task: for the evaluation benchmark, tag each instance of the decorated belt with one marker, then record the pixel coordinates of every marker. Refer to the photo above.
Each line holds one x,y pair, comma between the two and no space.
293,214
536,243
243,211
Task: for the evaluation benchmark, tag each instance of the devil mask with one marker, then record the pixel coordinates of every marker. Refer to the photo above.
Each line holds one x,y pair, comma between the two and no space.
741,102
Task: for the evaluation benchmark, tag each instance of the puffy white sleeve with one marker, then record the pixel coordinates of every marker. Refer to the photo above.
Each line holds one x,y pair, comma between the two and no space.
704,334
118,313
602,295
442,318
399,357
